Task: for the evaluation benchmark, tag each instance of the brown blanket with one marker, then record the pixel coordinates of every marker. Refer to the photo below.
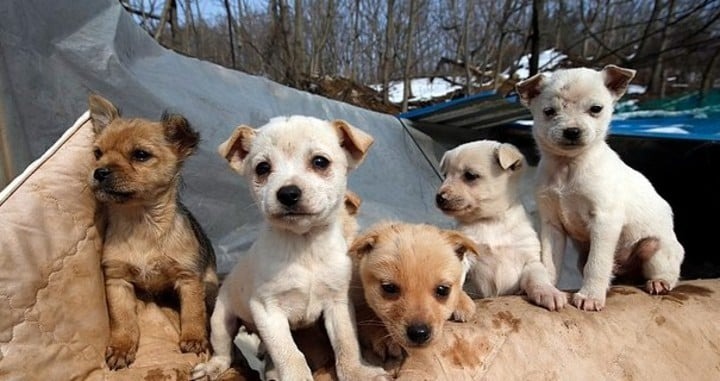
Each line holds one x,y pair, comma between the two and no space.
54,325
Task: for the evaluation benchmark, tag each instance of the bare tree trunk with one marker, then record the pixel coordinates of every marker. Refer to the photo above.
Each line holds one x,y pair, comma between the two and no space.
191,43
657,78
388,56
355,37
164,17
231,39
560,14
407,88
535,38
501,43
466,48
707,77
298,55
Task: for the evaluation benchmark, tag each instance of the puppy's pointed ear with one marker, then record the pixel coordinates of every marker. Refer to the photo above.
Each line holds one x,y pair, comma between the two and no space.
462,245
364,244
102,112
530,88
180,134
352,202
355,141
236,148
509,157
617,79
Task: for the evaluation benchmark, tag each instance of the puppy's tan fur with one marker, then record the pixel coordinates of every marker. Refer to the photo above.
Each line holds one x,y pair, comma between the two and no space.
585,192
411,276
481,190
152,244
298,268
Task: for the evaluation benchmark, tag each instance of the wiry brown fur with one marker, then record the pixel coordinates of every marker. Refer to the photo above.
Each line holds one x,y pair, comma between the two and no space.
417,259
152,244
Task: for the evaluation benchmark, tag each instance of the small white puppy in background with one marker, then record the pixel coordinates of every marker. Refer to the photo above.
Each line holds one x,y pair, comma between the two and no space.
613,215
298,269
481,191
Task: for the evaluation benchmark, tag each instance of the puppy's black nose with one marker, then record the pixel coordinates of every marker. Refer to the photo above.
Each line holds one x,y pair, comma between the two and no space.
289,195
572,133
440,200
419,333
101,174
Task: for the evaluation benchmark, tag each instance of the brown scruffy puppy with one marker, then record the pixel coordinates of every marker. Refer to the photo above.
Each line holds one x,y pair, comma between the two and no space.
412,276
152,244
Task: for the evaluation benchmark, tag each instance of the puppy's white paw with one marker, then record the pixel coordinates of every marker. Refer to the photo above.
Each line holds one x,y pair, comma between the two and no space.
548,296
363,372
585,302
210,370
657,287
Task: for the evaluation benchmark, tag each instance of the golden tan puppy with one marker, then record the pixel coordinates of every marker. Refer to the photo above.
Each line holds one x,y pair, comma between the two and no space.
481,191
152,244
412,276
297,270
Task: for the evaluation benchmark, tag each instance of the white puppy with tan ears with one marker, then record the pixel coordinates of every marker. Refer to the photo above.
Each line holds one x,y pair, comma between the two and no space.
481,191
611,212
298,269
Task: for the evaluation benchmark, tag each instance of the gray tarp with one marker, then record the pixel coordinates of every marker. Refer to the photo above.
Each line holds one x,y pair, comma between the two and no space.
54,53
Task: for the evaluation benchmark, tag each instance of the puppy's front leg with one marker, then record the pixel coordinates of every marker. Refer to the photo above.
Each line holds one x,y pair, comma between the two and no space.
223,328
124,331
605,231
340,326
193,318
552,248
274,330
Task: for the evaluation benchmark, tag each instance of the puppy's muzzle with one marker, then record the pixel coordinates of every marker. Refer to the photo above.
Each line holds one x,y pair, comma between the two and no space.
441,201
102,174
419,333
289,195
572,134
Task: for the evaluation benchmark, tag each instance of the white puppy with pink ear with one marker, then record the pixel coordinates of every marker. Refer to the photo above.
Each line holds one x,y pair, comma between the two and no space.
613,215
298,269
481,191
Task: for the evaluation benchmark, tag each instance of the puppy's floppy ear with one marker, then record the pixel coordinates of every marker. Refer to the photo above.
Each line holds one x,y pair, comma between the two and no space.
445,160
236,148
102,112
617,79
509,157
364,244
462,245
352,202
353,140
180,134
530,88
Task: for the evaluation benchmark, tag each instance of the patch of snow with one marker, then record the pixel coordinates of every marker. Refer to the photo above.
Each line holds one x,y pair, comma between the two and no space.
422,89
636,89
549,59
695,113
669,130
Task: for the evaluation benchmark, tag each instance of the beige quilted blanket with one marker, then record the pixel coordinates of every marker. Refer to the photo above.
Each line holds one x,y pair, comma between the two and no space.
53,321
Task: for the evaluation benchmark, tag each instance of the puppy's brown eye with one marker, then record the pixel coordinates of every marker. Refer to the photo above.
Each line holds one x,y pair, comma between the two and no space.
97,153
141,155
442,291
390,289
596,109
263,168
469,176
320,162
549,112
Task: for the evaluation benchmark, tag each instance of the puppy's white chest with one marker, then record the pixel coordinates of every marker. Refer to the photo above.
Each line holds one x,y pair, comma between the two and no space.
307,282
566,193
